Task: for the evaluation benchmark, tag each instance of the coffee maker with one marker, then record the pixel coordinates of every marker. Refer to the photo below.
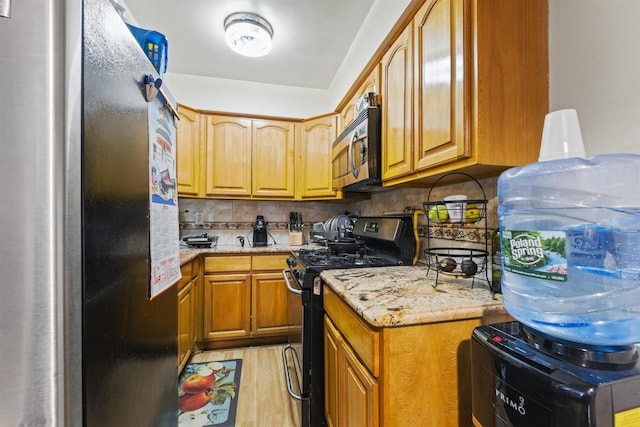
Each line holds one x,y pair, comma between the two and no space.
260,232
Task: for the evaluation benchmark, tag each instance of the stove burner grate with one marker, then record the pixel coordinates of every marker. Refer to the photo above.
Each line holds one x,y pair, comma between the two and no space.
328,258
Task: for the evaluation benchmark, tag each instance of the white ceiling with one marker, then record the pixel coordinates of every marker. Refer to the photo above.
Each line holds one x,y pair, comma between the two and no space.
310,40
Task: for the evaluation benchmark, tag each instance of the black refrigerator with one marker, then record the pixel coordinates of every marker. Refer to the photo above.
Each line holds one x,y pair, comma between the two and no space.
82,342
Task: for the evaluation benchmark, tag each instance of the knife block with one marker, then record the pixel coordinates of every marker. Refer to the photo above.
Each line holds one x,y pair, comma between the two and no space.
295,238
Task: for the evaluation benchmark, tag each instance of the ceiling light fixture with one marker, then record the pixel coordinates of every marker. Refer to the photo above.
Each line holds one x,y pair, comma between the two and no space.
248,34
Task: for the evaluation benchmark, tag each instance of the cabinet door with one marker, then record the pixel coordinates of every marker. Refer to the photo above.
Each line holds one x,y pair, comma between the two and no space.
347,115
185,327
228,156
273,158
196,316
331,360
370,84
440,79
188,153
314,170
397,71
358,393
270,304
227,306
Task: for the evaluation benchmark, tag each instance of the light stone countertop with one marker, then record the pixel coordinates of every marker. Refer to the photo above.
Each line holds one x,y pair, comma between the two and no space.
402,296
389,296
187,254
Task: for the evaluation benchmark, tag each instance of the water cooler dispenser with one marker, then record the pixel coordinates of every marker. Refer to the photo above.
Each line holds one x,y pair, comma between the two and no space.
521,378
570,240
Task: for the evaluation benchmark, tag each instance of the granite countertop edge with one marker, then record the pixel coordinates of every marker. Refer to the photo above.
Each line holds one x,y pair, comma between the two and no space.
187,254
403,296
390,296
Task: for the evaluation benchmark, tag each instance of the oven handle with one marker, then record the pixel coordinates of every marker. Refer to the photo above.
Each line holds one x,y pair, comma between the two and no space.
286,348
286,280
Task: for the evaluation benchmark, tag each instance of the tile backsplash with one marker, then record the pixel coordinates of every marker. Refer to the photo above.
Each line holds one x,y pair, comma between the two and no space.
229,219
446,236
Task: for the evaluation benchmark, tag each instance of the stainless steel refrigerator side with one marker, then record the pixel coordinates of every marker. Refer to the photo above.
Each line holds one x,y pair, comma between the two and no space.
81,342
34,299
40,291
70,295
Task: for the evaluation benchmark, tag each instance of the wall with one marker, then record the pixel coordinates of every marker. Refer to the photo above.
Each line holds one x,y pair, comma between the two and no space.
229,219
441,236
251,98
287,101
594,66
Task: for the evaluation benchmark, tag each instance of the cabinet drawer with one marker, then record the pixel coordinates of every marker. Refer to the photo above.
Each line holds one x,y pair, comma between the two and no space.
270,262
220,264
187,274
364,340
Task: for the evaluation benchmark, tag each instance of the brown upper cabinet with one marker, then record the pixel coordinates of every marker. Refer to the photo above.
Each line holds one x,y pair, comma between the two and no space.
249,158
465,88
188,153
370,84
228,156
314,167
397,107
220,156
272,151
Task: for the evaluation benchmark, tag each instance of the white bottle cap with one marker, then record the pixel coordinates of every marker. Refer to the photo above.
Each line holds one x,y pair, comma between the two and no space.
561,136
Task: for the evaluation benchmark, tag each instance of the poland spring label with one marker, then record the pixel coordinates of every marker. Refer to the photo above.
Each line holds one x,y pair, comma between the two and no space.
540,254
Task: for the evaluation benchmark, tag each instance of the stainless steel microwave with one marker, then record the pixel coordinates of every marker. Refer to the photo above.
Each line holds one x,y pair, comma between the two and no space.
355,155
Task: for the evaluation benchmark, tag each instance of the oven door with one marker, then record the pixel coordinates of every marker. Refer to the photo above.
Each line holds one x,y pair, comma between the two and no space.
292,352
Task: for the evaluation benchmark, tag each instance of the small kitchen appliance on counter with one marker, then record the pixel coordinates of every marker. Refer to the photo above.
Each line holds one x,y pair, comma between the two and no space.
200,241
260,234
523,378
375,242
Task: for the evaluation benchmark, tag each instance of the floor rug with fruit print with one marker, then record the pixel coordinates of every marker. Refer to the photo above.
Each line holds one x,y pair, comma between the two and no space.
208,393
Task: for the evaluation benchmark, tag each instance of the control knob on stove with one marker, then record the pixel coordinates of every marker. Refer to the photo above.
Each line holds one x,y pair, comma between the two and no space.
291,262
298,273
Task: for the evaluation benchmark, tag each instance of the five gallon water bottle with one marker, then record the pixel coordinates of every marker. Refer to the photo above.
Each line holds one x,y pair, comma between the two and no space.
570,234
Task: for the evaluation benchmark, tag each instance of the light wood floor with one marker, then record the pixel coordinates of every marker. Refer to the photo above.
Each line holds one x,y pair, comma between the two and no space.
263,400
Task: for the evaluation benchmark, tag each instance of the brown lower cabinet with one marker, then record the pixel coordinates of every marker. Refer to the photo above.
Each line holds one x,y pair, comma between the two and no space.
414,375
246,300
351,394
189,312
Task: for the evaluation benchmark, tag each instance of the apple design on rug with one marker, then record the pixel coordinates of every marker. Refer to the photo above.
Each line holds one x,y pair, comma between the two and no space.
191,402
196,383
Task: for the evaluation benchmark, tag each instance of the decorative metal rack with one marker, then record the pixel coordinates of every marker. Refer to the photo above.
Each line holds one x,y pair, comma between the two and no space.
459,262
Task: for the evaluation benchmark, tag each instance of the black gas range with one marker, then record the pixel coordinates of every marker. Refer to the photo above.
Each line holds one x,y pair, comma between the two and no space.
374,242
